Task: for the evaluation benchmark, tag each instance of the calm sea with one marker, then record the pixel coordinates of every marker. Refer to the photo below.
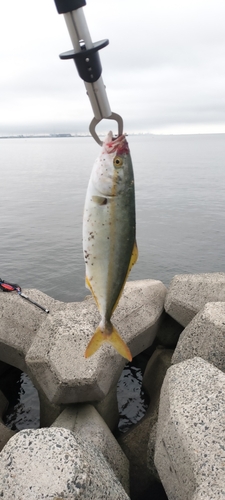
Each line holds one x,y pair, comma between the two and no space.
180,205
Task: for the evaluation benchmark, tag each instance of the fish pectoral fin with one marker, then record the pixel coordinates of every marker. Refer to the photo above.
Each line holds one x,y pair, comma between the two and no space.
112,338
99,200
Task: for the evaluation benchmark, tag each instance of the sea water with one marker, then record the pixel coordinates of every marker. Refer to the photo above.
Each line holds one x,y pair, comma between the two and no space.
180,208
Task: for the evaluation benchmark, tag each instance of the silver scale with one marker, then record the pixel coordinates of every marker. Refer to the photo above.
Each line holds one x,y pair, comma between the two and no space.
87,61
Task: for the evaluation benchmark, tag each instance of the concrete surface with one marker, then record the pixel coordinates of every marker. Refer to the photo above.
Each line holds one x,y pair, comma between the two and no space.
188,293
136,441
20,322
56,356
54,463
108,408
152,382
190,441
204,336
88,425
169,332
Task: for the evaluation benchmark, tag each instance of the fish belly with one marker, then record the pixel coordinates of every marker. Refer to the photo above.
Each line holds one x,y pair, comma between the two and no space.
108,241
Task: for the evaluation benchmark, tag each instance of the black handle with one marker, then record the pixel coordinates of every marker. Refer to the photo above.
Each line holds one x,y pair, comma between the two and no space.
87,61
64,6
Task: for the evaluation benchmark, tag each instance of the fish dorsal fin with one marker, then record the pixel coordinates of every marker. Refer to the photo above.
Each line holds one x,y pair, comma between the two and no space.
133,260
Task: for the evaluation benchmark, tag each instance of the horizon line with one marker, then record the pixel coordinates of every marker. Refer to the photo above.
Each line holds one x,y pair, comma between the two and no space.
83,134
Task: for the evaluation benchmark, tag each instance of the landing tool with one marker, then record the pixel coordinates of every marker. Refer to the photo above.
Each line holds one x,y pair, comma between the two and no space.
85,54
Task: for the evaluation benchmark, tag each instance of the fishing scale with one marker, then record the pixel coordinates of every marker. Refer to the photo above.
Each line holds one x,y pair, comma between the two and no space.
86,57
85,54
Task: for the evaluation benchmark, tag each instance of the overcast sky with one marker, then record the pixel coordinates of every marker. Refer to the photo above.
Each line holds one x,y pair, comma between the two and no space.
164,68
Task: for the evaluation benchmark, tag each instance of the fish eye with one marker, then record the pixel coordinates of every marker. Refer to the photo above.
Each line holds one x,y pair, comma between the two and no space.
118,162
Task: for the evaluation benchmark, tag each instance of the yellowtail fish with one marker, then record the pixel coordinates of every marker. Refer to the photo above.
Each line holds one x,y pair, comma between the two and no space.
109,243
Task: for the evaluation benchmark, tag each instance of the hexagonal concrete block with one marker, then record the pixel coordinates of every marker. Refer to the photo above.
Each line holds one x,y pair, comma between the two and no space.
135,441
139,313
190,443
108,408
169,332
153,378
88,425
54,463
56,356
20,322
204,336
188,293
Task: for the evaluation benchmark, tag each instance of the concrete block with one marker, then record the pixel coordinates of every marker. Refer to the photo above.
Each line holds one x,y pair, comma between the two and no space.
204,336
188,293
169,332
88,425
190,439
152,382
56,356
54,463
134,445
108,408
20,322
5,432
48,411
203,492
155,372
139,313
136,442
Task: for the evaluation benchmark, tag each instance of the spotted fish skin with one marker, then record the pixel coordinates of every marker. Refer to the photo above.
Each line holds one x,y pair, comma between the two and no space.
109,245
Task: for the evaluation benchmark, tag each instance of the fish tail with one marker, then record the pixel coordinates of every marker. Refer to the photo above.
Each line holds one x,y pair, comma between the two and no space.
112,337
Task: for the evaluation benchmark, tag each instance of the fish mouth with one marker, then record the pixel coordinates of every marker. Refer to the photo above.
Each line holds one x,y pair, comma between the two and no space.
118,145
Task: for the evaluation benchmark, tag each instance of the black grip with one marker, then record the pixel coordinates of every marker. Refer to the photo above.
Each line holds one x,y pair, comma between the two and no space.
87,61
64,6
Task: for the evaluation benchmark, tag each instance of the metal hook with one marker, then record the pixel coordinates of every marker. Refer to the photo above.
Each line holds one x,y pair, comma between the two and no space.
95,121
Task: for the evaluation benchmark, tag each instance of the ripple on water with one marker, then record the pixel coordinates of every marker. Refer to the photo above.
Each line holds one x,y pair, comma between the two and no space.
23,411
132,401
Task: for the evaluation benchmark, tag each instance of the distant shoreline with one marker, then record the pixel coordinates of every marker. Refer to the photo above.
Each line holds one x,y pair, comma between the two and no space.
74,135
41,136
50,136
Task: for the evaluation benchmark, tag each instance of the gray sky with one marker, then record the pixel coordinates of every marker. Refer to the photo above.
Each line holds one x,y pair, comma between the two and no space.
164,68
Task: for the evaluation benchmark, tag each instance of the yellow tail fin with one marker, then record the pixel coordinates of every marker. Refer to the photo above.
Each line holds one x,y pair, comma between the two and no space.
113,338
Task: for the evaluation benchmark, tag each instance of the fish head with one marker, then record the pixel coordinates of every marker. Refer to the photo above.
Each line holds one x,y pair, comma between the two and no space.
113,168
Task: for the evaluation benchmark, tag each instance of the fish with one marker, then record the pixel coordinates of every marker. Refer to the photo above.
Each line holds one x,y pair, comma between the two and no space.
109,236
